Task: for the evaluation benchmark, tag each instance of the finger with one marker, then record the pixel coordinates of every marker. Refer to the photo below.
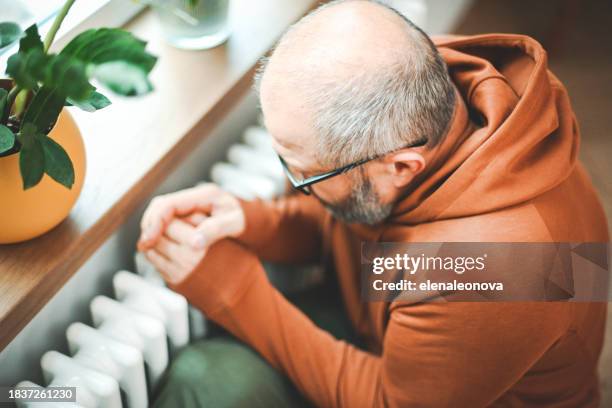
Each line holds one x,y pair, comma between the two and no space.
178,231
179,203
152,223
171,250
214,228
163,208
181,231
161,211
195,218
165,267
183,256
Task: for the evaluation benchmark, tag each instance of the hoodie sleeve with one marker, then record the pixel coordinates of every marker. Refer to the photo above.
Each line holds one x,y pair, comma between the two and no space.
435,354
287,230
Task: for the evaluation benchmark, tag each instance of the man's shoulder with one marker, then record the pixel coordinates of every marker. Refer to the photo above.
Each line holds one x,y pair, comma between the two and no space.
519,223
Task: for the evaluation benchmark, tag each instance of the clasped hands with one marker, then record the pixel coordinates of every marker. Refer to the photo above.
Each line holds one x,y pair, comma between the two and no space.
178,228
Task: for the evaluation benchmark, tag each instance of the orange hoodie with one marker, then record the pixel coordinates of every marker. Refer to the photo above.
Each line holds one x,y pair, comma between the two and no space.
507,171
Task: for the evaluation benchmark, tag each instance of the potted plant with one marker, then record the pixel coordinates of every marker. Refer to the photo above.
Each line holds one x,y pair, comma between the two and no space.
42,157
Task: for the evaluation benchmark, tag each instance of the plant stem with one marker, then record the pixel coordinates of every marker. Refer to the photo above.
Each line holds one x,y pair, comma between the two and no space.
10,98
57,23
20,102
12,95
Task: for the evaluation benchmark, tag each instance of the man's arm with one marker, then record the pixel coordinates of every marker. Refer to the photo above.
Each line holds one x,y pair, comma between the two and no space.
289,229
435,354
286,230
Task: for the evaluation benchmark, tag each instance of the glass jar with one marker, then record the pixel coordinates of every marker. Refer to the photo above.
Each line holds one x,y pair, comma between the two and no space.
194,24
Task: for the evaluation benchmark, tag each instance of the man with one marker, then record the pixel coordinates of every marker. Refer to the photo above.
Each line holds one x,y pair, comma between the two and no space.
394,139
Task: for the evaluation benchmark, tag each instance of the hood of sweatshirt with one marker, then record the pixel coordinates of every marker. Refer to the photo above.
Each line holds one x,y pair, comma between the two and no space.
513,135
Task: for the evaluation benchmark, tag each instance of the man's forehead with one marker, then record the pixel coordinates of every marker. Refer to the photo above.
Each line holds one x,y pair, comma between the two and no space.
285,142
286,116
295,146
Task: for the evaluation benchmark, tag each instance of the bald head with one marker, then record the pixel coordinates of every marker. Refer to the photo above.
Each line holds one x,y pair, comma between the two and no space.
360,75
340,38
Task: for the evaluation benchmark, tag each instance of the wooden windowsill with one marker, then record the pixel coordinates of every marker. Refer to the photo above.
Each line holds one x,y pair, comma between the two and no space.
133,144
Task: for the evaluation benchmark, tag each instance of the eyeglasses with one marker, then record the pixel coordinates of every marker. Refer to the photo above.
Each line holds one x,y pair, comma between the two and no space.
304,184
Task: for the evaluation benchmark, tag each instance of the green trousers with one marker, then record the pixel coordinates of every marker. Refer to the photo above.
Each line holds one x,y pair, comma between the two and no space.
222,372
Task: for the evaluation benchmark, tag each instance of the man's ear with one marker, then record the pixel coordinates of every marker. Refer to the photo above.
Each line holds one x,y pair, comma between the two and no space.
404,165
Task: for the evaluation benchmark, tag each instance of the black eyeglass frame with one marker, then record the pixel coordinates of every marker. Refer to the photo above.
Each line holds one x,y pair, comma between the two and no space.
304,185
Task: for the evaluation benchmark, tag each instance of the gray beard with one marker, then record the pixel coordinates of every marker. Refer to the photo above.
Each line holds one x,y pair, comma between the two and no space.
361,206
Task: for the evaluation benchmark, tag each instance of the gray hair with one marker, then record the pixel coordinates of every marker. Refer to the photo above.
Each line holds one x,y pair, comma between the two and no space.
380,110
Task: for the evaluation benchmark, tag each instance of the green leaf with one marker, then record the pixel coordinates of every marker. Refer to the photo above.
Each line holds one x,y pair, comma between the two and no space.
31,39
27,68
98,46
9,33
7,139
57,163
68,76
31,157
32,67
44,109
40,154
123,78
29,65
115,58
94,102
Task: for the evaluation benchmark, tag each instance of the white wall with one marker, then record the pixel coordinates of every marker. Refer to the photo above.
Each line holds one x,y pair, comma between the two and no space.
20,360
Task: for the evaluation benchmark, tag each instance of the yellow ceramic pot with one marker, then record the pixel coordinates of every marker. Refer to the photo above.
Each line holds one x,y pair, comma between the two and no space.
30,213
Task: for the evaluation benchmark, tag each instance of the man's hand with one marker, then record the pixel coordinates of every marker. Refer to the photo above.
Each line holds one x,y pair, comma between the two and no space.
225,217
173,255
175,258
